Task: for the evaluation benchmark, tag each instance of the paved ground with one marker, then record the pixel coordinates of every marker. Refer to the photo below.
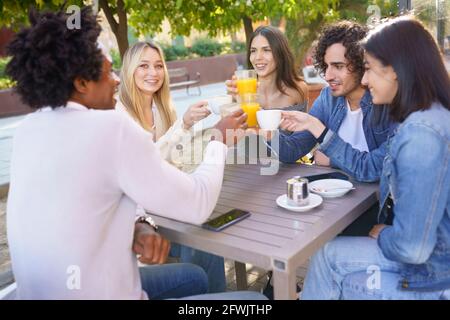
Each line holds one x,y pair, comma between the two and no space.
4,253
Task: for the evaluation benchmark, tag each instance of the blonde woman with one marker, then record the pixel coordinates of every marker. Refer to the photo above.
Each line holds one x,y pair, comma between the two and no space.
145,96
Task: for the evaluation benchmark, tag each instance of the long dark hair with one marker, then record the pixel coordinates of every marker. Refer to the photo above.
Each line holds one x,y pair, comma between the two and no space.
413,53
284,59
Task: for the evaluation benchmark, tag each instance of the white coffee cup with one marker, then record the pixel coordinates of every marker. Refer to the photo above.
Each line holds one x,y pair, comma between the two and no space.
215,103
268,119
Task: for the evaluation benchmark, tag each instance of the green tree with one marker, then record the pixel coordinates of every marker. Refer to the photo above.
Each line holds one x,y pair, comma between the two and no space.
116,14
304,17
14,14
222,16
213,16
302,30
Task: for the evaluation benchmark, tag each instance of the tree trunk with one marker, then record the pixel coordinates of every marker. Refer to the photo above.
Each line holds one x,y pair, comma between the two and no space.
122,39
248,27
120,29
275,19
300,36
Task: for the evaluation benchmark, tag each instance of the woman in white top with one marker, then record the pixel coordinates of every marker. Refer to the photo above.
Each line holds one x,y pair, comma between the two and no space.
78,171
145,96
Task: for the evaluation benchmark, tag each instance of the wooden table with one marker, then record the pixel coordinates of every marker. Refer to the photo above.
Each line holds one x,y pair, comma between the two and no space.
272,238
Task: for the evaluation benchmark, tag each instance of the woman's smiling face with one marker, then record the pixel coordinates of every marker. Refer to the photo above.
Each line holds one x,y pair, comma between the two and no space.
261,56
149,75
381,80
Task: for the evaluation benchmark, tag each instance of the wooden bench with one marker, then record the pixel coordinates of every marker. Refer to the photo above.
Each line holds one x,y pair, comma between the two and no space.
181,73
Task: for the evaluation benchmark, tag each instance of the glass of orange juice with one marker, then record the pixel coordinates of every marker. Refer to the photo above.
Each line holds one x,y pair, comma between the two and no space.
250,105
246,81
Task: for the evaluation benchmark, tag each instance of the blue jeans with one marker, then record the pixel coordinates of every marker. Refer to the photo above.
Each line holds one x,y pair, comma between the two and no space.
185,281
235,295
213,265
173,280
354,268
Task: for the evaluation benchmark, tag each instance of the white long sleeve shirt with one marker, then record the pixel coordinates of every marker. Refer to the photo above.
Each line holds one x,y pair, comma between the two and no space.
170,141
76,178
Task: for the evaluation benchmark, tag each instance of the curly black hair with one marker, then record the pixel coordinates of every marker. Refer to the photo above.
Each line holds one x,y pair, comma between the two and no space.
48,56
349,34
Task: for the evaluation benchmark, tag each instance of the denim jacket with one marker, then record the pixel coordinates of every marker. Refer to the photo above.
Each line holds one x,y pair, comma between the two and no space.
416,173
331,111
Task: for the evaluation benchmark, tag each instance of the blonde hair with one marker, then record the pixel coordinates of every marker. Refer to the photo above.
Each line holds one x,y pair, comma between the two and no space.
133,98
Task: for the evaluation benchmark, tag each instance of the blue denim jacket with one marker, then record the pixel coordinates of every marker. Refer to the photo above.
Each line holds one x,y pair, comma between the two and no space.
416,172
331,111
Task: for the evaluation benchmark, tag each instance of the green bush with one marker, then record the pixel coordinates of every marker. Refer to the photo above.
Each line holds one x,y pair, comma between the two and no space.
238,47
202,47
175,52
117,61
234,47
3,63
5,81
181,51
205,47
169,53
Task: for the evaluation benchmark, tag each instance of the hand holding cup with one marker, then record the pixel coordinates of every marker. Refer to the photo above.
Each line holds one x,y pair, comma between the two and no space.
231,128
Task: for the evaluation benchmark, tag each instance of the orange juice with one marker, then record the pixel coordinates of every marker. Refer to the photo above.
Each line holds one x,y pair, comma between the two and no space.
250,109
246,85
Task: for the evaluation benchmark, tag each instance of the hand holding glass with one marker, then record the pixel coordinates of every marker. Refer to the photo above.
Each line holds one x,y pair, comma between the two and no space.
246,81
250,105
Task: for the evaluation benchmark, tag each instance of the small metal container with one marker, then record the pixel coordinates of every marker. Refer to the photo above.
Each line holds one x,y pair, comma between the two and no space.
297,191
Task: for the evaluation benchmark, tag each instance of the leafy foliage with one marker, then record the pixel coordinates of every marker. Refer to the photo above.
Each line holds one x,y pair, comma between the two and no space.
175,52
14,14
117,61
304,17
206,47
302,30
5,81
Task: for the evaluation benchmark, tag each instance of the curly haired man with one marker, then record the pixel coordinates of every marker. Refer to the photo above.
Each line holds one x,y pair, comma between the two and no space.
352,133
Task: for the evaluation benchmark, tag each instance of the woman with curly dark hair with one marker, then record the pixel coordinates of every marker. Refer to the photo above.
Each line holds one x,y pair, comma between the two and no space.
78,171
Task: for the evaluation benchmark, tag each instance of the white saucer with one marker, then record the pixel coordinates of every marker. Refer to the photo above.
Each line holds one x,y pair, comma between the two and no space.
314,201
324,184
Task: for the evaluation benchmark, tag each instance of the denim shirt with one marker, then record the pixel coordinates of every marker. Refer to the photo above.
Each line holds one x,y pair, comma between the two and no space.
331,111
416,173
